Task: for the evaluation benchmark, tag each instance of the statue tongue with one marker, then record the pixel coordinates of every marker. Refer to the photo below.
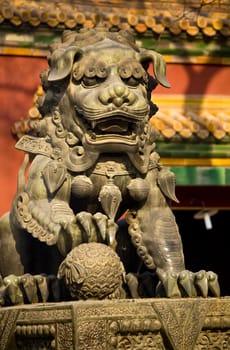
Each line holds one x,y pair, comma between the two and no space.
110,127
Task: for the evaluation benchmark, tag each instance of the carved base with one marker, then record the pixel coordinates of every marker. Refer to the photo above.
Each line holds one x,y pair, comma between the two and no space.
140,324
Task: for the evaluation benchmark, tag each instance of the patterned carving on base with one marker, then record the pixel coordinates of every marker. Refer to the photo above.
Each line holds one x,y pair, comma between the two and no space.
182,321
213,340
65,339
35,344
136,334
44,327
7,324
137,324
149,341
92,335
35,336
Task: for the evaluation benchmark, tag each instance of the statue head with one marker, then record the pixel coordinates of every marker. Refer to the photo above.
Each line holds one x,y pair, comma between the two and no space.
98,93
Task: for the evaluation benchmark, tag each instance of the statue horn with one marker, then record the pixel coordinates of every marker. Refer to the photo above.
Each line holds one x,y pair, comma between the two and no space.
159,66
61,63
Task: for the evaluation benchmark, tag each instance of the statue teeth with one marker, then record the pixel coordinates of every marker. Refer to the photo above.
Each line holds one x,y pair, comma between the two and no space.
93,124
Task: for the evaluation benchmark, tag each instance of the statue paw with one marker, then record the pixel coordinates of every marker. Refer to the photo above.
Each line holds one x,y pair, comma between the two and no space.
50,213
97,227
207,282
44,219
86,228
187,284
10,291
28,289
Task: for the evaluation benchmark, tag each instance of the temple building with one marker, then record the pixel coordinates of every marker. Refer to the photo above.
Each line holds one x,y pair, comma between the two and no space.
193,121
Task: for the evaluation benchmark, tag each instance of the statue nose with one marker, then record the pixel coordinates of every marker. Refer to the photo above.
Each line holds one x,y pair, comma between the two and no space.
117,94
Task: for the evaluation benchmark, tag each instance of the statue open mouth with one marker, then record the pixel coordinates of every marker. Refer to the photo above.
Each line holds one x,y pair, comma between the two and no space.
112,132
113,129
114,126
120,127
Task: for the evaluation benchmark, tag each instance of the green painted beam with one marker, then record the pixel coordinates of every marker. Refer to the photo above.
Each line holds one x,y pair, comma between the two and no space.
193,150
201,176
187,47
167,44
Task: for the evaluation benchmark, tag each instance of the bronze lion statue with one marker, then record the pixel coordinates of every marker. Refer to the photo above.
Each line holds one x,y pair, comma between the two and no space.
92,158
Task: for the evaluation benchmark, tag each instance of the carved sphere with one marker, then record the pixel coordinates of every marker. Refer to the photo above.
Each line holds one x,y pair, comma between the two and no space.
92,270
82,186
138,189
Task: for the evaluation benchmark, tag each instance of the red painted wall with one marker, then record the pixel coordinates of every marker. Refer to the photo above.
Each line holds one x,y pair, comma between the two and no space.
197,79
19,78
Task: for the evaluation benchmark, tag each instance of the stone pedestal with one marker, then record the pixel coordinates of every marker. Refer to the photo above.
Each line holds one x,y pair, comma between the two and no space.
139,324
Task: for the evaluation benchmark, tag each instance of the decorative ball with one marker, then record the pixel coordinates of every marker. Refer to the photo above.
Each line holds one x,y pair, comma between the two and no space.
138,189
92,270
82,186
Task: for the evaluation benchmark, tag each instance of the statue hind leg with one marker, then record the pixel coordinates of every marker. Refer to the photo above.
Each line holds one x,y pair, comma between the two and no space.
155,234
10,259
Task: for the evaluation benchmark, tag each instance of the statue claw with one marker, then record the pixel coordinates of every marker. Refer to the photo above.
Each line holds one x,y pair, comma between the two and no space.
42,287
186,281
101,223
201,282
12,290
111,234
27,283
168,282
85,220
28,289
213,283
132,283
187,284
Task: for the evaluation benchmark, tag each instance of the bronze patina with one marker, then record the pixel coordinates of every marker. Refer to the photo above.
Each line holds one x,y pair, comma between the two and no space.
92,160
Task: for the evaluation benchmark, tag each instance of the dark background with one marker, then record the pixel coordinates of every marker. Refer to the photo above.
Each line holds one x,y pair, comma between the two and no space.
207,249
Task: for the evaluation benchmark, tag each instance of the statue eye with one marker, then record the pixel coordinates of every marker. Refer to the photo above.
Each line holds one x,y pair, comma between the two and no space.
132,73
90,72
132,81
94,74
138,72
88,82
101,71
125,71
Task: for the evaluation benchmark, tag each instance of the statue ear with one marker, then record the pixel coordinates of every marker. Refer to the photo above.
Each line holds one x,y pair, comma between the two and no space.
61,62
159,66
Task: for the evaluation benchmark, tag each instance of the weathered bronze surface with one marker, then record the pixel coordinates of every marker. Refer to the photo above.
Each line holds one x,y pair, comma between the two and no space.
92,159
144,324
